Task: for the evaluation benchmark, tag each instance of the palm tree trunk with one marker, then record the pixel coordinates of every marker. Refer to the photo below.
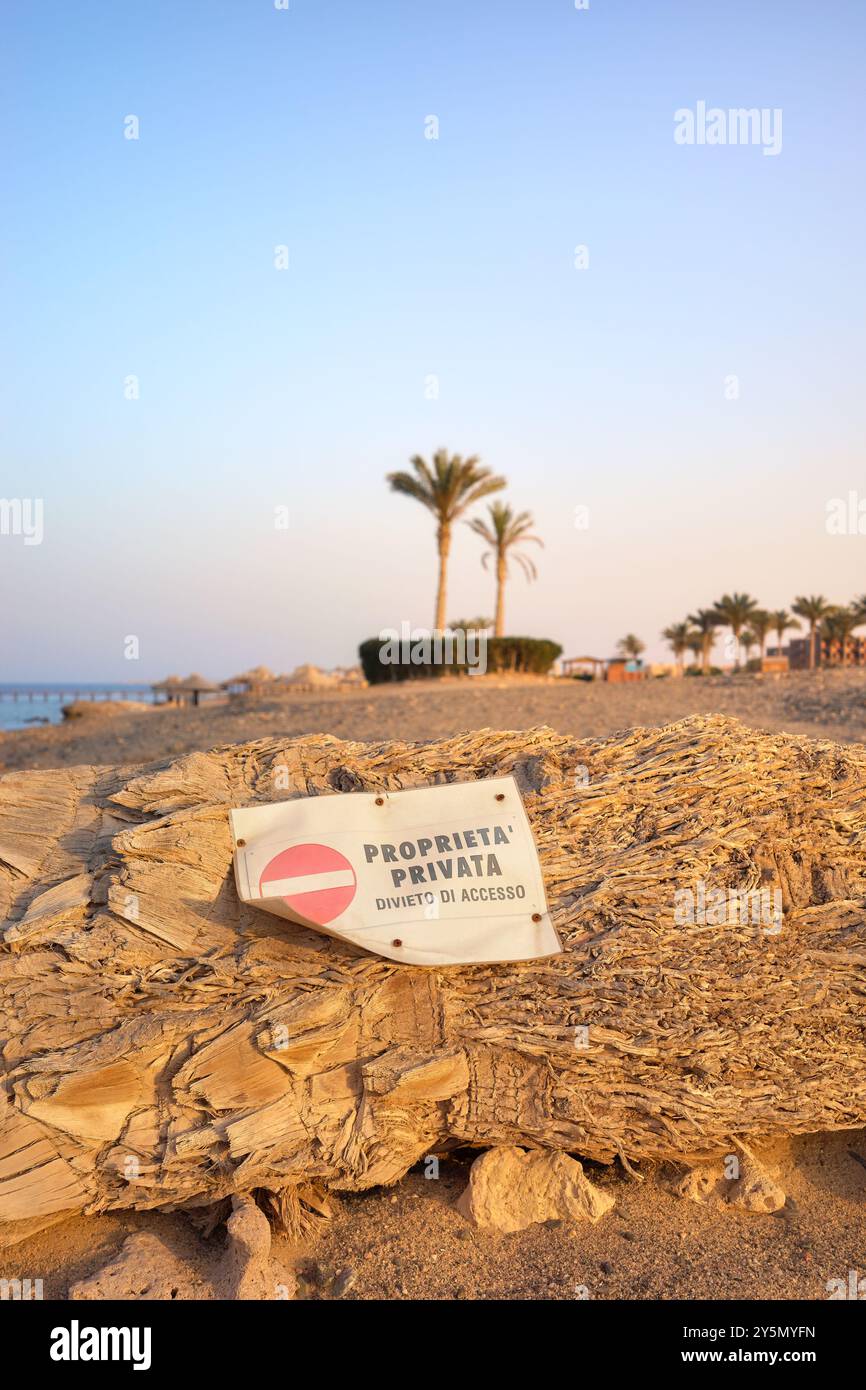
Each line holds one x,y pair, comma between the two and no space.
499,626
265,1067
705,653
444,538
812,627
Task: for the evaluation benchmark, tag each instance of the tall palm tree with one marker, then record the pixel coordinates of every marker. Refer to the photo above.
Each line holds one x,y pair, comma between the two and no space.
749,640
505,531
812,607
630,646
706,620
735,610
761,623
447,488
782,621
677,638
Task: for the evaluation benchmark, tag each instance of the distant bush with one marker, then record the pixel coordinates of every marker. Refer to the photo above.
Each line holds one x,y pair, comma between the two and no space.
520,655
696,671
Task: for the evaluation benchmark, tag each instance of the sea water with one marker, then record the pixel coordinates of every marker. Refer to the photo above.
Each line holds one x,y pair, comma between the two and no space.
47,705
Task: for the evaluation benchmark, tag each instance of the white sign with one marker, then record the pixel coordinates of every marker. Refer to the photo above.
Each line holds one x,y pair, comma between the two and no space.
438,876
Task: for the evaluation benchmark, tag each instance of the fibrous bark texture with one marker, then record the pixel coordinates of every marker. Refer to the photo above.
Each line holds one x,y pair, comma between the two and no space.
163,1044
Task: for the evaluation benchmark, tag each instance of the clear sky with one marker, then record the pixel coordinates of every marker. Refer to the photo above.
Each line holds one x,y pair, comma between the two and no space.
410,257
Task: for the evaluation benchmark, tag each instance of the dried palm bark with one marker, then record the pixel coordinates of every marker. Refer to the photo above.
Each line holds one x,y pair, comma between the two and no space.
162,1044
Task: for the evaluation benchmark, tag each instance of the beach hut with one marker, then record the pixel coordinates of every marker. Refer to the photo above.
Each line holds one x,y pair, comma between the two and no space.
196,685
624,668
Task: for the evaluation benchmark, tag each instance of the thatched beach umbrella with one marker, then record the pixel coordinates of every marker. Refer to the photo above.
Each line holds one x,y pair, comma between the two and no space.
196,685
247,680
168,688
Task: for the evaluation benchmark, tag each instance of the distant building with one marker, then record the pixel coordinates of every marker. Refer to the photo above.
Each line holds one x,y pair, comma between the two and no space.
828,652
612,668
623,668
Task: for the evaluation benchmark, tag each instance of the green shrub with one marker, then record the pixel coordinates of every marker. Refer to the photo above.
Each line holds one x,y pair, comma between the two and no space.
521,655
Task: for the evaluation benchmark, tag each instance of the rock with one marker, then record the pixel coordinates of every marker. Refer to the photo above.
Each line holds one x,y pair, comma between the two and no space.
145,1269
705,1184
755,1190
510,1189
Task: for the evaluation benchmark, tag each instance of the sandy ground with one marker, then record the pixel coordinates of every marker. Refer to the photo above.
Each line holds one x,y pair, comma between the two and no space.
409,1242
821,704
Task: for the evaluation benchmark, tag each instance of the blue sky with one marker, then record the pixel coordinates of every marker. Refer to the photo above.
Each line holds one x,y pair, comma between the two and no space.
411,257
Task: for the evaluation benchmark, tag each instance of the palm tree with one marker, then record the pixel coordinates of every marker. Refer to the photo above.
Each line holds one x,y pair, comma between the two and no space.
735,610
447,489
761,623
782,621
812,607
706,620
837,625
695,642
677,638
749,640
505,531
630,646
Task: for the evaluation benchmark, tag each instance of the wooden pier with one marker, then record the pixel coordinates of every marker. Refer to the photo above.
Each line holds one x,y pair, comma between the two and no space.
66,695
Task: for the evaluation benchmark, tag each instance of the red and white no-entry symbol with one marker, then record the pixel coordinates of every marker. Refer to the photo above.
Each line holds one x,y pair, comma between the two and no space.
315,881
